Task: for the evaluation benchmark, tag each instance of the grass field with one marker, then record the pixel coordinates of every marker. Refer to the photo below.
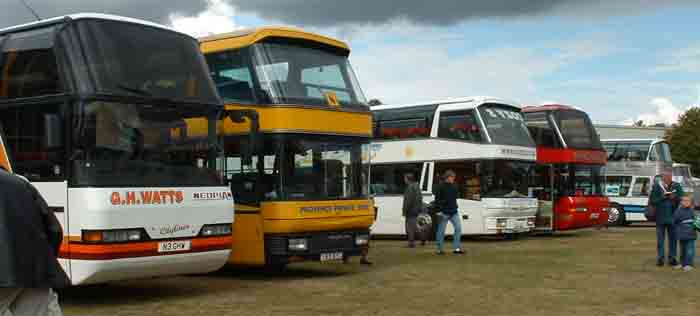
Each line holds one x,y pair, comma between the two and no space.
609,272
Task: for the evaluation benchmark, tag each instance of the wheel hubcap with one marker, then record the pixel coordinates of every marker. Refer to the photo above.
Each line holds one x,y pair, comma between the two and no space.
613,215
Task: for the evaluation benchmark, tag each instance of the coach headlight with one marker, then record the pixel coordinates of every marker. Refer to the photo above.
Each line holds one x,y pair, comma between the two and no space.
298,244
215,230
113,235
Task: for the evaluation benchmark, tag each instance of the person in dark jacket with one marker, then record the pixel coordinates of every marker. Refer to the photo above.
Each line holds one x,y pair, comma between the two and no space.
665,196
683,220
30,237
446,200
412,207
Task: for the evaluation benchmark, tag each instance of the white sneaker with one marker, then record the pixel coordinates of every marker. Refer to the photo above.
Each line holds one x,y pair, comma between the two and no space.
677,267
688,268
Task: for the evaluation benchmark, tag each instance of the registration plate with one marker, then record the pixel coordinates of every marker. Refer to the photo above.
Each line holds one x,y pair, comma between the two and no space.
595,215
331,256
172,246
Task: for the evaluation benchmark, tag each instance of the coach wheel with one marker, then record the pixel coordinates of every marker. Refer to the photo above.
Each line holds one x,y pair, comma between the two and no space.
616,215
613,214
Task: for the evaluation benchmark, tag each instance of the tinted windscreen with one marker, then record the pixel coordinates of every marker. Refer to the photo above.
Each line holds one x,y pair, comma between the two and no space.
587,181
577,130
133,59
138,146
294,167
505,125
506,179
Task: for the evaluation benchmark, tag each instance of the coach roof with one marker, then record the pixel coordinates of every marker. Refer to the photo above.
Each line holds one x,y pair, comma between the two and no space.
247,37
84,16
454,102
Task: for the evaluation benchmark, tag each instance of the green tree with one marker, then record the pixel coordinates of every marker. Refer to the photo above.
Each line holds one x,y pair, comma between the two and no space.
684,138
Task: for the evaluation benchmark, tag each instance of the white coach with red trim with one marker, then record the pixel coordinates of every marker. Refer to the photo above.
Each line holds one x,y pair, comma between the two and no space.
94,111
484,140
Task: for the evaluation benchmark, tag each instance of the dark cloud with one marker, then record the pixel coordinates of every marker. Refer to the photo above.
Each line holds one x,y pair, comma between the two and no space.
13,12
341,12
438,12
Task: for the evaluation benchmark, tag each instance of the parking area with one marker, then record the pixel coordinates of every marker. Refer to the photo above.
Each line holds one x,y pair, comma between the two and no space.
608,272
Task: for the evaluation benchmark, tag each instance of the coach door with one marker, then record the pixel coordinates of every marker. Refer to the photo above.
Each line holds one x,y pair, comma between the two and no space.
546,197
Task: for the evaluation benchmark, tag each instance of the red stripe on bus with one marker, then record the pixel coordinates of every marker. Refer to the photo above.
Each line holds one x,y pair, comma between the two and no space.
557,155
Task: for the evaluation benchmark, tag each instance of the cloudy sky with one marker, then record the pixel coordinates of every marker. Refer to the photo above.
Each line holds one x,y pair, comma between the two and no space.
621,60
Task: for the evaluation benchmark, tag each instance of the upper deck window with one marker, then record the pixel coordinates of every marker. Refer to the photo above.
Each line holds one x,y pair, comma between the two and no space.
505,125
577,130
409,128
299,73
132,59
627,151
232,75
28,65
461,125
660,152
412,122
542,130
283,71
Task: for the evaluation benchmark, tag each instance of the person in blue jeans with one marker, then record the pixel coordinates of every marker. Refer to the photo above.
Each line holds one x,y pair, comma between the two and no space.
665,196
683,220
446,200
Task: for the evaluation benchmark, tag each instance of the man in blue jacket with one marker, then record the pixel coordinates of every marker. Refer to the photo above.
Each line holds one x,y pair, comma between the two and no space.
665,196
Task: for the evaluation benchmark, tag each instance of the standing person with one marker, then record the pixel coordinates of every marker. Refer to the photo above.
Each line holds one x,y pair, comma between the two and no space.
683,220
30,237
446,201
412,207
665,196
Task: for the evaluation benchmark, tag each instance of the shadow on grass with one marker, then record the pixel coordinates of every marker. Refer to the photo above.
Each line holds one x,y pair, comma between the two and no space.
568,234
129,292
290,273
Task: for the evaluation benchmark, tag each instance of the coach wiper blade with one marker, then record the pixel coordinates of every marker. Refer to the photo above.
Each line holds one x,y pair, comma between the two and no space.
138,91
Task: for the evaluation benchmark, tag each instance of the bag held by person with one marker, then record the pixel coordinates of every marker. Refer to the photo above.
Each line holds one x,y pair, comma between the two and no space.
650,211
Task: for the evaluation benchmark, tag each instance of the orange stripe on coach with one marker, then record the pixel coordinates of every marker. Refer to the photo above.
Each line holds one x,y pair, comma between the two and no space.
72,249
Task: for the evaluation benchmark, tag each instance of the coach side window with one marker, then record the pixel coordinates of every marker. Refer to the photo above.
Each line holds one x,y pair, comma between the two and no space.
34,140
460,125
388,179
28,65
618,185
404,128
641,187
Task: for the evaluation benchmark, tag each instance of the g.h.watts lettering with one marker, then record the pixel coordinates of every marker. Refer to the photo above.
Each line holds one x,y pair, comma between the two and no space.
147,197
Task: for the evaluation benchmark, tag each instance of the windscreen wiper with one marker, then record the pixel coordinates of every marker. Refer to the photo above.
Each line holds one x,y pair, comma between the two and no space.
138,91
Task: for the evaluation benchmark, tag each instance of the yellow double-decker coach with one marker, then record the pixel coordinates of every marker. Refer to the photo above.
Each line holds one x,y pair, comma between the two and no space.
304,194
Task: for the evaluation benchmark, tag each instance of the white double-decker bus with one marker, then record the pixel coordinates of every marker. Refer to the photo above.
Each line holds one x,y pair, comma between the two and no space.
483,139
94,111
633,165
